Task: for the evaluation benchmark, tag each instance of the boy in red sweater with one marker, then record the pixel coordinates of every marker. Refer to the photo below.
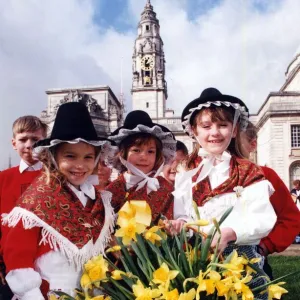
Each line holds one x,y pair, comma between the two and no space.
14,181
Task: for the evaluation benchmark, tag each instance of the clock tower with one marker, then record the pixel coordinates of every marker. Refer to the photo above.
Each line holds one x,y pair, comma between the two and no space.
149,88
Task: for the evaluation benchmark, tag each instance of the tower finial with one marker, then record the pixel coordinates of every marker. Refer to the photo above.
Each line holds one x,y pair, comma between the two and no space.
148,4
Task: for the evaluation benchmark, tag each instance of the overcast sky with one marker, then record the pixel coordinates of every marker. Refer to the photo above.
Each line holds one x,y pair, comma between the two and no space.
241,47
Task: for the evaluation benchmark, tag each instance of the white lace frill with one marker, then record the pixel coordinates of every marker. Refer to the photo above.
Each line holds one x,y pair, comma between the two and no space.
107,152
167,139
76,257
244,115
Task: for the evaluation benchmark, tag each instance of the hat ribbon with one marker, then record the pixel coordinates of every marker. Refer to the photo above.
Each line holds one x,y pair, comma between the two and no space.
152,182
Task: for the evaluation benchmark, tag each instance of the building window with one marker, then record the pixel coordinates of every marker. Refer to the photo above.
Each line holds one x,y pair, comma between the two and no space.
295,136
147,27
147,104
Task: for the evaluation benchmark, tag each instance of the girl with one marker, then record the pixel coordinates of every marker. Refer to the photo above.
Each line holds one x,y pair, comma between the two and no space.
143,148
217,177
60,221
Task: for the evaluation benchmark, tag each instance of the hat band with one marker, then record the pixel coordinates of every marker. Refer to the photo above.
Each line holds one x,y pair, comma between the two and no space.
242,110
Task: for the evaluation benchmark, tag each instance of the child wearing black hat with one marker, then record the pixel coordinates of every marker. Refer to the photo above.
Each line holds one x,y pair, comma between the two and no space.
60,221
217,177
144,147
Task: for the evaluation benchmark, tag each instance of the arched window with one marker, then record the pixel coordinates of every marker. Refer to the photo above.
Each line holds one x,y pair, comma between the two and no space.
294,172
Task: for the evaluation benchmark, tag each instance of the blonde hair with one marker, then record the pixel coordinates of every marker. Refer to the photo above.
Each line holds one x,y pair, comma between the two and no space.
29,124
217,114
50,169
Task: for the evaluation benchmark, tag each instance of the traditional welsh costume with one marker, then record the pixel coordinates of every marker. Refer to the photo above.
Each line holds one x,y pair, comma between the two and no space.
56,227
136,185
232,182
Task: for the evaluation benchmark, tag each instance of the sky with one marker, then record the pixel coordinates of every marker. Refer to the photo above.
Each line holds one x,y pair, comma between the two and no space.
241,47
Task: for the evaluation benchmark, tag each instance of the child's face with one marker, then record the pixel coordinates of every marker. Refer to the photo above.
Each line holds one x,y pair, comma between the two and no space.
23,142
170,170
76,162
143,157
214,137
104,172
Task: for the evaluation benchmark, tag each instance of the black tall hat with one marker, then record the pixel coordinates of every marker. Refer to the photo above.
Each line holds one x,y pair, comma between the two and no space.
139,121
212,96
72,122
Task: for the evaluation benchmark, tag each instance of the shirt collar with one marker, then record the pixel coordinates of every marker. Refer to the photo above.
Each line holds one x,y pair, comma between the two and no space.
25,167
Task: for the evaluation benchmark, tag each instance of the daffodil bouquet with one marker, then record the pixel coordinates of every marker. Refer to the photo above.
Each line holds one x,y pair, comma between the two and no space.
146,263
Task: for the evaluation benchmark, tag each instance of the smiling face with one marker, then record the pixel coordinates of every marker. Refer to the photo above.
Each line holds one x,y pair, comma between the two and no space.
23,142
76,161
170,170
104,173
143,156
213,135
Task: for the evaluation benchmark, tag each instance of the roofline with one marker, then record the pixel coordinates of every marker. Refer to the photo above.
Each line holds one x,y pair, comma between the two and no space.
280,94
84,89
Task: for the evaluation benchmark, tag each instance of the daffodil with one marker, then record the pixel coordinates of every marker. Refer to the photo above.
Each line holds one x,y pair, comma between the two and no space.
163,275
171,295
116,274
137,209
197,223
151,234
100,297
96,269
142,293
85,281
128,230
190,295
275,291
113,249
207,285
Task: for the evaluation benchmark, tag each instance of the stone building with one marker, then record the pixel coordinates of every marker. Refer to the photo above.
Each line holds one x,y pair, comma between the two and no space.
149,87
104,107
278,121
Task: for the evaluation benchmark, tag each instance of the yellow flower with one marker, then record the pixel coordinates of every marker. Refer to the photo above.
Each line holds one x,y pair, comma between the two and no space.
142,293
128,230
275,291
151,234
113,249
172,295
137,209
198,223
116,274
163,275
85,281
190,295
96,269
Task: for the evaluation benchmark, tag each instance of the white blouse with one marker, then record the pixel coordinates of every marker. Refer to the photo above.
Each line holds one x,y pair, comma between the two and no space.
252,217
54,266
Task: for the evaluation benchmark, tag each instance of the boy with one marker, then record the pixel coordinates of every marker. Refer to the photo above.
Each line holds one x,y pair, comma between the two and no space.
14,181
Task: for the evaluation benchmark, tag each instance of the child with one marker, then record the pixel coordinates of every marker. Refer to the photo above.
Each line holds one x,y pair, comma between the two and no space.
219,177
14,181
61,221
104,174
170,170
144,147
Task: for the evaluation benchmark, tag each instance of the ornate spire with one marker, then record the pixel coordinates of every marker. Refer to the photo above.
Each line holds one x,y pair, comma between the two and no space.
148,13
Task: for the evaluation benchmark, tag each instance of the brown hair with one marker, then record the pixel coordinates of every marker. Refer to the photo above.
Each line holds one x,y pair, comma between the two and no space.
250,134
139,139
52,174
217,114
29,124
296,182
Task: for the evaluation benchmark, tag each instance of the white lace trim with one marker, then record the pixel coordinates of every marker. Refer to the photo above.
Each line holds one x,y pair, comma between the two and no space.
58,242
107,153
242,109
167,139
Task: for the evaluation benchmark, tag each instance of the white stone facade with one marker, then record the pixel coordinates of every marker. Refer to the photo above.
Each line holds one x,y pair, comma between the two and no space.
104,107
278,121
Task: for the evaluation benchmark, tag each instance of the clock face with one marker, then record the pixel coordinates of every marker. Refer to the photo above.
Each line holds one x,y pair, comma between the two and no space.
147,62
